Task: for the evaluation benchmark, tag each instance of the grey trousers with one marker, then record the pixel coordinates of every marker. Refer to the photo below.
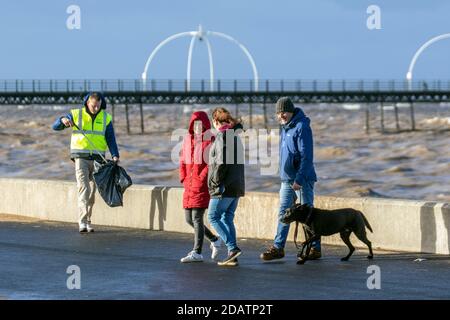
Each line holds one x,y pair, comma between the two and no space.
194,217
84,170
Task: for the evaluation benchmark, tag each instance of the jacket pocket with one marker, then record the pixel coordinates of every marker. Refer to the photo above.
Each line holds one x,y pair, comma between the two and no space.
289,164
296,162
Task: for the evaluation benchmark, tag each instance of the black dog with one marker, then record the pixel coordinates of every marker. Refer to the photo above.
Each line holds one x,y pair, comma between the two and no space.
328,222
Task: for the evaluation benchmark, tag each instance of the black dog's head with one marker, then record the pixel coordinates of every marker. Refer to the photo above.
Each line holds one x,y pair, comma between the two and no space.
298,212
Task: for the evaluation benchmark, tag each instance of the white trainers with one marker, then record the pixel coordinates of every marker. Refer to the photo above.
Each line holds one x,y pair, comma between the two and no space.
89,227
82,227
192,257
215,248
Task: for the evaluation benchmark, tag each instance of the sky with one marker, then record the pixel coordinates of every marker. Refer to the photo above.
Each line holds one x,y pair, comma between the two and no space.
295,39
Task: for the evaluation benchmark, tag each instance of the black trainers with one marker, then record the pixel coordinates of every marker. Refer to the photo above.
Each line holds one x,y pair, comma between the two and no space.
272,253
231,260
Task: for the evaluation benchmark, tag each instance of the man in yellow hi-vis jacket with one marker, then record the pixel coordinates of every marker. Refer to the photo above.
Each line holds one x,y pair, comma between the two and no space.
92,134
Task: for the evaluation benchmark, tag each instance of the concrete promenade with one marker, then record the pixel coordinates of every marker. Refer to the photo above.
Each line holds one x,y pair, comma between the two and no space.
136,250
123,263
399,225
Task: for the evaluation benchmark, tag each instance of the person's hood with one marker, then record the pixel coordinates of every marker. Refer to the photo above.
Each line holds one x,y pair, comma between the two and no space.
298,116
203,117
102,98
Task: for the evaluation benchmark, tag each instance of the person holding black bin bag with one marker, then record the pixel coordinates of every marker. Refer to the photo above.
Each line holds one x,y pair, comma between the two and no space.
92,135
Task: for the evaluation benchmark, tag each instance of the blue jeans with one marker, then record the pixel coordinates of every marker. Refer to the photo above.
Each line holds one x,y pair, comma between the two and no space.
287,198
220,216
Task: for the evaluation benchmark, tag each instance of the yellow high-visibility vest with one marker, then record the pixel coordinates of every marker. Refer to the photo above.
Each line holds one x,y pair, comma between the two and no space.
94,130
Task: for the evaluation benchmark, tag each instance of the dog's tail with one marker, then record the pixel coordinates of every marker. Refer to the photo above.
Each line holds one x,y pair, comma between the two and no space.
366,222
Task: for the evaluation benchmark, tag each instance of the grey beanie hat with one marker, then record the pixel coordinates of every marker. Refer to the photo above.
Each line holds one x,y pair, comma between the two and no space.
284,104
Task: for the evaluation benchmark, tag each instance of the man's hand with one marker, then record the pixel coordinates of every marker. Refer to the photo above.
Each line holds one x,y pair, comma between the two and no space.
296,186
116,159
66,122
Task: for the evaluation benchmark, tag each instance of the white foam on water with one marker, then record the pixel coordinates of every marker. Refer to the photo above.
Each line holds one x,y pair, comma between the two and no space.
386,107
187,109
351,106
437,121
390,107
403,105
40,107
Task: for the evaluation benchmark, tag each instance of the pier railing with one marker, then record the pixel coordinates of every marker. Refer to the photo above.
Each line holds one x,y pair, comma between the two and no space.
168,85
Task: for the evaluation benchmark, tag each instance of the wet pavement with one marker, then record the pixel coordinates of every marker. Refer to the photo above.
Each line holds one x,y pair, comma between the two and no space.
121,263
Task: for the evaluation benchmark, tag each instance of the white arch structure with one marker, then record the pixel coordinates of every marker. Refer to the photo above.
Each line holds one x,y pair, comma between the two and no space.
409,74
200,35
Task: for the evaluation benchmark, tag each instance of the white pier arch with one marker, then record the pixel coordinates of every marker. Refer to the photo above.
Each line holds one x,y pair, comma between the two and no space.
409,74
200,35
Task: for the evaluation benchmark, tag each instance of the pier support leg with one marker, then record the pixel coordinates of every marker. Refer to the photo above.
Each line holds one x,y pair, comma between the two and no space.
265,112
127,118
141,111
413,120
397,124
251,114
367,119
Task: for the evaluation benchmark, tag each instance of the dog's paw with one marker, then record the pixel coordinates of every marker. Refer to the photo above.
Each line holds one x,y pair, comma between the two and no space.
344,259
370,257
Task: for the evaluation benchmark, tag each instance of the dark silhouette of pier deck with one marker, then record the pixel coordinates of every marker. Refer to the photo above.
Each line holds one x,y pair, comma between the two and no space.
265,92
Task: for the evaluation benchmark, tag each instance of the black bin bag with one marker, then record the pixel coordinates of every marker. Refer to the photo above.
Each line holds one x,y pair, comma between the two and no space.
112,180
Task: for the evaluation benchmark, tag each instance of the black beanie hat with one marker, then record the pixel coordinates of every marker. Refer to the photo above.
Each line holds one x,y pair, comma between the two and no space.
284,104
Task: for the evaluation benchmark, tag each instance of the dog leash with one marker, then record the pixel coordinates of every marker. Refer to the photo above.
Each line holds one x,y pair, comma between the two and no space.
296,234
307,243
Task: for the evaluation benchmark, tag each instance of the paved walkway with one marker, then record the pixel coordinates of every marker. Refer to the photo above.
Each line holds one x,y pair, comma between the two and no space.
120,263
